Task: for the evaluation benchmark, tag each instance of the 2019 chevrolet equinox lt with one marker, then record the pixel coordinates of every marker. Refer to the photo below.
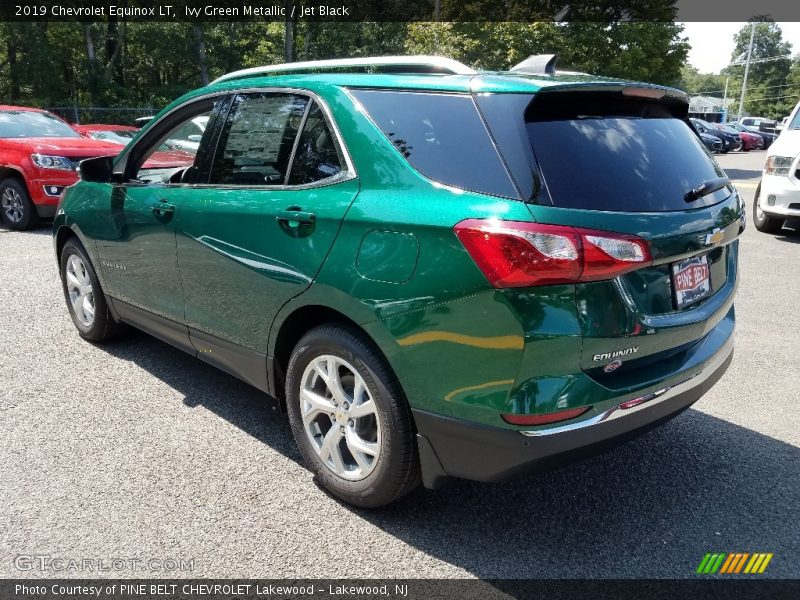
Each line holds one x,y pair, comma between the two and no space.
439,272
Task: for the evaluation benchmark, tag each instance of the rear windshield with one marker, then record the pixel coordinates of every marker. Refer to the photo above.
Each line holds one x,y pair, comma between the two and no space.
609,153
442,136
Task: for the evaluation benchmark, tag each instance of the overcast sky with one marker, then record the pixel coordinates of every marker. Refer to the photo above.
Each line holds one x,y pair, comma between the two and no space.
712,43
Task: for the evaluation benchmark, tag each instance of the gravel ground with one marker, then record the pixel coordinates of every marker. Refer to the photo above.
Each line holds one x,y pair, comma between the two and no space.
134,450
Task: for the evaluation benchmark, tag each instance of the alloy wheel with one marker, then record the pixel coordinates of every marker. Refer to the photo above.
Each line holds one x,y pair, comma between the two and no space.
79,286
340,417
12,204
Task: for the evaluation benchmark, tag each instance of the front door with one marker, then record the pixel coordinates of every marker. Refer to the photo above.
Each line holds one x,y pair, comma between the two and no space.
257,234
137,248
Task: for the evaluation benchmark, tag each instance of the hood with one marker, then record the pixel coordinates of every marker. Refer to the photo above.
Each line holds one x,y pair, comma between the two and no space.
76,147
787,144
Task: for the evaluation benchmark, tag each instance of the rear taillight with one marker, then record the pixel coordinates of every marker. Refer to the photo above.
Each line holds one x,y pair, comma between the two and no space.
519,254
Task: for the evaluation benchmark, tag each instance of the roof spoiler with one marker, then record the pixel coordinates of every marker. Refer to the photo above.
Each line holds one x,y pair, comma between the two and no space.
537,64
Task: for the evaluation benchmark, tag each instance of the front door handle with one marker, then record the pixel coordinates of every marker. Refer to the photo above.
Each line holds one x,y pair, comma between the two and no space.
295,216
162,208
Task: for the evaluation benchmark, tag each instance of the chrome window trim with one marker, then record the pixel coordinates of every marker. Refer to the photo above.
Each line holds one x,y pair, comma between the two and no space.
347,174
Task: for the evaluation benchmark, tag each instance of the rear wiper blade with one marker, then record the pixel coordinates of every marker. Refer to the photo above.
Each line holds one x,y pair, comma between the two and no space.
706,188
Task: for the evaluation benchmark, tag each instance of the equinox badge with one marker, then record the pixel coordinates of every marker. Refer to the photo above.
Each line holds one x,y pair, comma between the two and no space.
615,354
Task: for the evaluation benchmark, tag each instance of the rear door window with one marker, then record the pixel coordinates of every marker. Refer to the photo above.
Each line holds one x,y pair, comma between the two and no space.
317,155
442,136
257,139
613,154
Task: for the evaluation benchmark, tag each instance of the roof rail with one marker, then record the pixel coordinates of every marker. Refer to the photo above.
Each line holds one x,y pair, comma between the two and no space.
537,64
393,64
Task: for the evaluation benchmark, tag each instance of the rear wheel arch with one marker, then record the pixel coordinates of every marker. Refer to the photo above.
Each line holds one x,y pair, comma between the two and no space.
294,326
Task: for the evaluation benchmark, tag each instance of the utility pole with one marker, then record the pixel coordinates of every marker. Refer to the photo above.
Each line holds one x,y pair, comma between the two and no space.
746,70
725,101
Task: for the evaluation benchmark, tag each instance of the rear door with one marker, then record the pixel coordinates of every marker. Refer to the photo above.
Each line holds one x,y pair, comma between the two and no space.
626,161
256,232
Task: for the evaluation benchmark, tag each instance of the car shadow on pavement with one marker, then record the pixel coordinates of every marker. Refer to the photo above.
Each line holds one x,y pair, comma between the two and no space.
46,229
201,384
652,507
790,232
739,174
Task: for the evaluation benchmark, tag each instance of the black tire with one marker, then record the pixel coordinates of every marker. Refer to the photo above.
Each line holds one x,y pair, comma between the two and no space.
18,212
102,326
765,223
396,471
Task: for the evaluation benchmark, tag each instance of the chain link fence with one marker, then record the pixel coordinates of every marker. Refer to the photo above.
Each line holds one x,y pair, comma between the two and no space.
123,115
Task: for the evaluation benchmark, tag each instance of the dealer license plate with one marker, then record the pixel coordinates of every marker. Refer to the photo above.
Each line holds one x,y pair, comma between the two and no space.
691,280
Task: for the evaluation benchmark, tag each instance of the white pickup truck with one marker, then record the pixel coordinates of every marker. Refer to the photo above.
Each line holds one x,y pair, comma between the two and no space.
778,194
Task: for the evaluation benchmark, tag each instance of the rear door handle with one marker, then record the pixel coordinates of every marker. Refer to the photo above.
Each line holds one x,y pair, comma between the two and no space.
294,216
162,208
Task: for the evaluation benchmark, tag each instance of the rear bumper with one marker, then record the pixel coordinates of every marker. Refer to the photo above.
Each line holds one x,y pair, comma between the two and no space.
454,448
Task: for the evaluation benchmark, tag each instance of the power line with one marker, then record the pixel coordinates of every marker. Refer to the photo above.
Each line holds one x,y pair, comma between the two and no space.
797,95
736,90
760,60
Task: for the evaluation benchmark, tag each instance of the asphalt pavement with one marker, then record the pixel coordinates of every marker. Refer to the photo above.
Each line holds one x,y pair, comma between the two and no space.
135,451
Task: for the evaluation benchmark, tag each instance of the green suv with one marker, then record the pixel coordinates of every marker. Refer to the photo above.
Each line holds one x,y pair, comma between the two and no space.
438,272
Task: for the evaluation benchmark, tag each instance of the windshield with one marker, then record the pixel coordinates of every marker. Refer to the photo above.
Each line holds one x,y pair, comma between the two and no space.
26,123
795,124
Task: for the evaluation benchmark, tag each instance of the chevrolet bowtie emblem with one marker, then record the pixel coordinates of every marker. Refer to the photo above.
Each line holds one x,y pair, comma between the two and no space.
715,237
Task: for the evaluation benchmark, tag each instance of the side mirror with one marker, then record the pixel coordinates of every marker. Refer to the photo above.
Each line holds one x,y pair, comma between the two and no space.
97,170
195,137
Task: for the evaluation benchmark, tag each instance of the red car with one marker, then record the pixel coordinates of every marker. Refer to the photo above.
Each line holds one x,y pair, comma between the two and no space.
750,141
165,158
38,156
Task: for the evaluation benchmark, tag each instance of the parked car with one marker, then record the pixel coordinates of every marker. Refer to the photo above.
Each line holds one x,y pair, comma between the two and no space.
769,138
167,157
434,282
778,194
121,134
188,137
712,142
760,124
38,156
730,141
749,140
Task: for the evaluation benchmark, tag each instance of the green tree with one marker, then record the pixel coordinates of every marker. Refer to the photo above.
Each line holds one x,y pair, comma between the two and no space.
766,80
704,84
